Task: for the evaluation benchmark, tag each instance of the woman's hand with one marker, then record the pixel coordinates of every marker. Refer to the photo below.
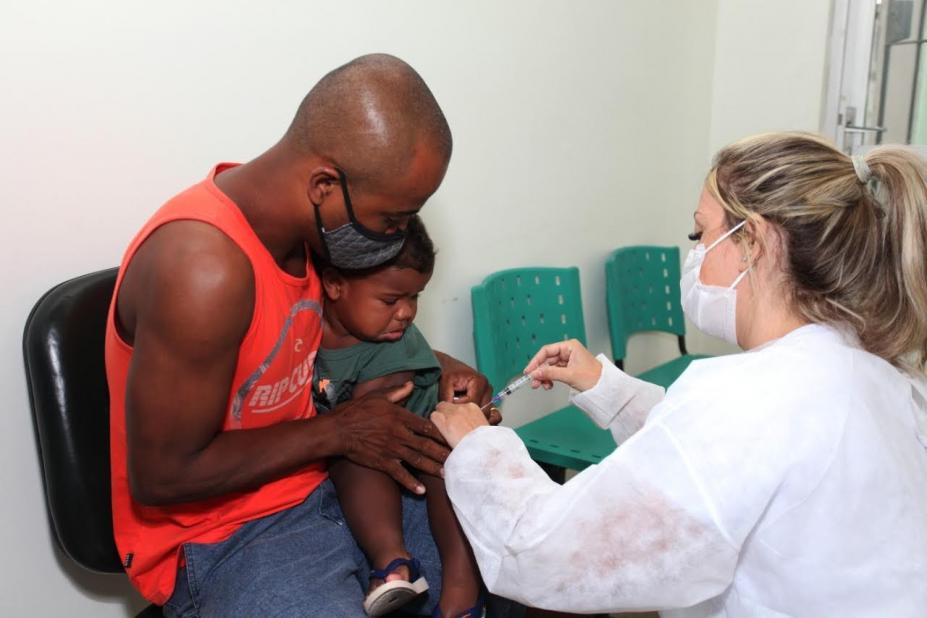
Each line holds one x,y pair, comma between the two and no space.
456,420
565,361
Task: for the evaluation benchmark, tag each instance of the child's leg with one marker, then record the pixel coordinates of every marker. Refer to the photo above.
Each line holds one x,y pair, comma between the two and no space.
460,577
371,506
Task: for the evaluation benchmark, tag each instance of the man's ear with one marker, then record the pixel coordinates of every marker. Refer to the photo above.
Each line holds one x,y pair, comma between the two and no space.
333,283
322,181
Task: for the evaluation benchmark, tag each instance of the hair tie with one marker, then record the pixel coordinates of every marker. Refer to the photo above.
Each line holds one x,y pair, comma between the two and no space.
861,168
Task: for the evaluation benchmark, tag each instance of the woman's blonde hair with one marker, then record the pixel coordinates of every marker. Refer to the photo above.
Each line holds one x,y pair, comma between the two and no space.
854,232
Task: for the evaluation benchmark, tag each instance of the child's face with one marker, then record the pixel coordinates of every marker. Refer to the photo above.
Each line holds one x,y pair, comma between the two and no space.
377,307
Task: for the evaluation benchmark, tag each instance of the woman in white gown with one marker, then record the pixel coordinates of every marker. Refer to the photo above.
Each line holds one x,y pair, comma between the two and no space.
789,480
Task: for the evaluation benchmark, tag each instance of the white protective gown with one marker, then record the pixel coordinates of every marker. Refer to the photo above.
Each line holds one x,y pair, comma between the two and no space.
790,480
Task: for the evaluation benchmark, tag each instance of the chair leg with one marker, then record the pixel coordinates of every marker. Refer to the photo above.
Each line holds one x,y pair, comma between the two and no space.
556,473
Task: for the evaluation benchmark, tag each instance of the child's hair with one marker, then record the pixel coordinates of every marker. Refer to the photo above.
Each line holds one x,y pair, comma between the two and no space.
418,253
854,232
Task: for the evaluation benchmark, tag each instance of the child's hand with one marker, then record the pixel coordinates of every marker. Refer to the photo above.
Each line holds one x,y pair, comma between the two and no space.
493,415
460,383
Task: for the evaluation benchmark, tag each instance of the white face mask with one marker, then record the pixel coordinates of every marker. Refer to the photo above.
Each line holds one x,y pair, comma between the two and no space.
712,308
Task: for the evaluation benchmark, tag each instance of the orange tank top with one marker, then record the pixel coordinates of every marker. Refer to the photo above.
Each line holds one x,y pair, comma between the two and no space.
272,384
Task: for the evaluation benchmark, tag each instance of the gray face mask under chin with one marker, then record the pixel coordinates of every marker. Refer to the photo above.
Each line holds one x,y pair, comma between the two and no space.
353,246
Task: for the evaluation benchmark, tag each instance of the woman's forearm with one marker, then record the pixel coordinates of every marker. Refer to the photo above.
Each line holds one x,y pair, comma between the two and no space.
618,402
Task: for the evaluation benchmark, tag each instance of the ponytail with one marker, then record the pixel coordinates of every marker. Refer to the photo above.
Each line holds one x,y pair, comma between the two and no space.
897,326
854,230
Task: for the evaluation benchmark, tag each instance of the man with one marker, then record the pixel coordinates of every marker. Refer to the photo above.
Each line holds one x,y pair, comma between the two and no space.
220,499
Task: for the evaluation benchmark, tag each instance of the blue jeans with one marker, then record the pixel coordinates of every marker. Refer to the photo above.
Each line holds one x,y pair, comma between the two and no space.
299,562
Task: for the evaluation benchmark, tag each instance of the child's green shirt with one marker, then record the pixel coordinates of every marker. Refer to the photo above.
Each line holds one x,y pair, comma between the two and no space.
338,371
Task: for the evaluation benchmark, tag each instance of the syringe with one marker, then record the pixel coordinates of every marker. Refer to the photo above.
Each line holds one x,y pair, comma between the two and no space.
508,390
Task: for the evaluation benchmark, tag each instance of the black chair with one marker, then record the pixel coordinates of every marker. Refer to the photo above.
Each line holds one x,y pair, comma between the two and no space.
63,344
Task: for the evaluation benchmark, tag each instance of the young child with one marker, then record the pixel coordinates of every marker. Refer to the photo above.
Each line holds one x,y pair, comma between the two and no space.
370,343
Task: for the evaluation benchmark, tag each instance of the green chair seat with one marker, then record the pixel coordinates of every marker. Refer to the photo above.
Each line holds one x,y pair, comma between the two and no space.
665,374
566,438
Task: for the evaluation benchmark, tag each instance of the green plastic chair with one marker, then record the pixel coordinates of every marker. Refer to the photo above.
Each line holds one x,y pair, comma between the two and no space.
641,295
515,312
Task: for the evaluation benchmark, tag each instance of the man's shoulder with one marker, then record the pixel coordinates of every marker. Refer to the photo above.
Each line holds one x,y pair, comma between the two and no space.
191,271
196,254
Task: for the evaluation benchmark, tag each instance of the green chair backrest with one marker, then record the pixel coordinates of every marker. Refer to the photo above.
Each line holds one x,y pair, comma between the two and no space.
642,294
517,311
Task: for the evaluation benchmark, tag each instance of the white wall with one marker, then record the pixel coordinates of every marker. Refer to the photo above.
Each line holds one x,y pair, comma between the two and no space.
574,138
579,127
769,74
769,66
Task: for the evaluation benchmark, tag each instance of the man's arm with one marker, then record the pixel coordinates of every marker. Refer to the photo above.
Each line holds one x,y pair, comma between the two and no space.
186,303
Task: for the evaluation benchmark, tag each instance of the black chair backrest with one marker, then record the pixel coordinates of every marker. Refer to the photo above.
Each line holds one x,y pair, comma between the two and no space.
63,346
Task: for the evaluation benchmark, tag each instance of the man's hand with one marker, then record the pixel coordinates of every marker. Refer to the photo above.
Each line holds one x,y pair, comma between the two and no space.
376,432
460,383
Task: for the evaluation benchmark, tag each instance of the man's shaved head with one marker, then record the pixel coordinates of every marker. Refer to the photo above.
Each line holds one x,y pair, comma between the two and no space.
369,117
